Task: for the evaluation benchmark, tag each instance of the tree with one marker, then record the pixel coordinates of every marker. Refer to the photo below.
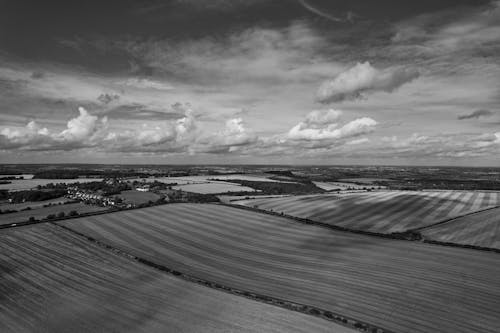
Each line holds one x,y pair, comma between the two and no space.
60,214
73,213
32,219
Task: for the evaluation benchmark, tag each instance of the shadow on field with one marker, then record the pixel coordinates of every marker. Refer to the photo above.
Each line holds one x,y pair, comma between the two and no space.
325,243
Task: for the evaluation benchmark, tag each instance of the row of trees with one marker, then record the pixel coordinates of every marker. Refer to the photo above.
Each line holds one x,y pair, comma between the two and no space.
36,195
54,216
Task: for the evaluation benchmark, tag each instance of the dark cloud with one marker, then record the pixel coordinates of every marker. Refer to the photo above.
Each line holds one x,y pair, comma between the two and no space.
108,98
476,114
139,111
37,75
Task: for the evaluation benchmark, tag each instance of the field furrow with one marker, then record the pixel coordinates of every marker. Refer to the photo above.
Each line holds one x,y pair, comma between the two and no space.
54,281
478,229
381,211
368,278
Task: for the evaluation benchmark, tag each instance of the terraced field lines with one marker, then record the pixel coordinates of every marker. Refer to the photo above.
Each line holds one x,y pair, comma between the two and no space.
54,281
480,229
381,212
368,278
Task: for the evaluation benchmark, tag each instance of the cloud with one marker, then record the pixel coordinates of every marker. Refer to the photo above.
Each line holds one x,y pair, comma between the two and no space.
268,55
319,117
82,127
234,137
456,31
144,83
323,126
108,98
451,145
137,111
476,114
358,141
361,79
321,13
37,75
84,130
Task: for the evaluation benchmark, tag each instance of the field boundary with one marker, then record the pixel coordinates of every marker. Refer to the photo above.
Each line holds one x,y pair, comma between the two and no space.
395,235
451,219
282,303
69,217
66,217
410,235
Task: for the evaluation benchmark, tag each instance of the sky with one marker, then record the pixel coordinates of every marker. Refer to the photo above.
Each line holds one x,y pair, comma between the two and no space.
251,82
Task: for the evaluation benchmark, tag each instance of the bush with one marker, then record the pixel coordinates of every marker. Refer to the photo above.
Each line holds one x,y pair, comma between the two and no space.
32,219
51,217
73,213
61,214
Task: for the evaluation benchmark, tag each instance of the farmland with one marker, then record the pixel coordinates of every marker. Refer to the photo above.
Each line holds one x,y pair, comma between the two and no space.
32,204
27,184
398,285
213,187
381,211
137,197
40,213
480,229
54,281
208,178
332,186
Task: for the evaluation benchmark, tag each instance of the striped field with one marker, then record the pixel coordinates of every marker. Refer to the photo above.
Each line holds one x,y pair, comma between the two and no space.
54,281
479,229
398,285
381,212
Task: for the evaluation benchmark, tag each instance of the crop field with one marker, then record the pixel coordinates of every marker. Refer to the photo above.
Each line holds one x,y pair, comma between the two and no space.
33,204
368,181
479,229
213,187
398,285
209,178
331,186
138,197
54,281
381,212
28,184
40,213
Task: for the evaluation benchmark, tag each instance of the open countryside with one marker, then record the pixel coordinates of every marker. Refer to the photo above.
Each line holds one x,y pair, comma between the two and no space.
105,292
368,278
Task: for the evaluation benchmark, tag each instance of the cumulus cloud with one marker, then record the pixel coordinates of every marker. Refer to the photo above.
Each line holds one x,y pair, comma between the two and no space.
232,138
361,79
18,137
476,114
90,131
323,125
85,130
82,127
